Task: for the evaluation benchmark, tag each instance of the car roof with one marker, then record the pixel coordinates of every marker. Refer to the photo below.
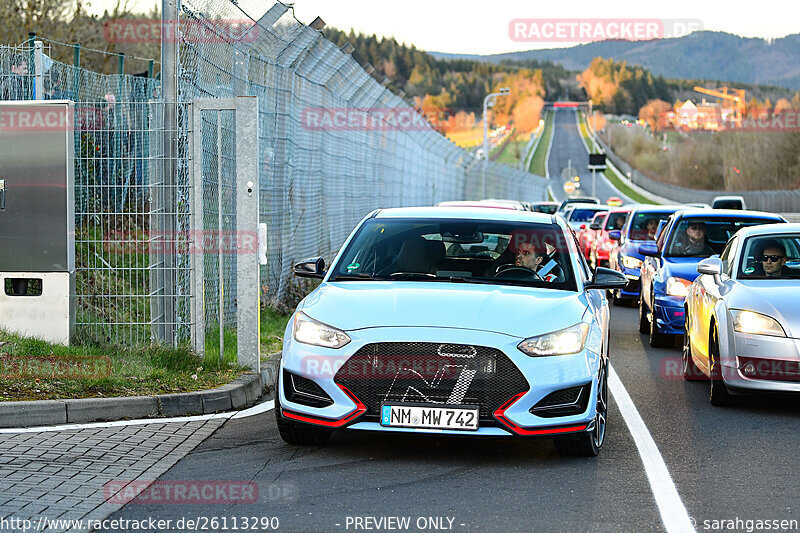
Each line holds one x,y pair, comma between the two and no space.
724,213
652,208
482,204
466,212
769,229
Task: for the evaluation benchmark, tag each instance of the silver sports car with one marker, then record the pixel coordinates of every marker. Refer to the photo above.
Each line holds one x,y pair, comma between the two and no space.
742,329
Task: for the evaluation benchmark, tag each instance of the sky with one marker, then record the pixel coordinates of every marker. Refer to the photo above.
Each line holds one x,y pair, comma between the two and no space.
482,27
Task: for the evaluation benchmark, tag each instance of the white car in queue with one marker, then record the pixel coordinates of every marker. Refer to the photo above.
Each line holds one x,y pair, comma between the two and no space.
742,327
436,320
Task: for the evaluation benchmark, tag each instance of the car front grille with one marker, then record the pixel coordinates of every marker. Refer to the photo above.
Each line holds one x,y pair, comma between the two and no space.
431,373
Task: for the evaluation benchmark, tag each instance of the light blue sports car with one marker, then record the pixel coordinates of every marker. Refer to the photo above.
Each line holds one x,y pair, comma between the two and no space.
453,320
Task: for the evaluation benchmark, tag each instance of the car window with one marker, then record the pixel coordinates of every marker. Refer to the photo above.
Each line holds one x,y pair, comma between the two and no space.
770,256
458,251
706,236
582,215
726,257
615,221
643,225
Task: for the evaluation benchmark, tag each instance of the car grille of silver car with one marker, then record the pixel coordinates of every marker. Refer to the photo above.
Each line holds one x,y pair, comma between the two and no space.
431,373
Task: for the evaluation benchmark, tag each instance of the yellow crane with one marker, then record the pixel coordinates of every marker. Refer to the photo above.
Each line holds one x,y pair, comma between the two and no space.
736,95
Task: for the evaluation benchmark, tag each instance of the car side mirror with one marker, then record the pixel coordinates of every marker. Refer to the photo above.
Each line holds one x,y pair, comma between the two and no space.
310,268
606,278
615,235
594,226
711,266
649,249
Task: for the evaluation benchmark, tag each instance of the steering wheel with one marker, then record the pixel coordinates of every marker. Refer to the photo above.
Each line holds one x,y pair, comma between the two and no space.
504,270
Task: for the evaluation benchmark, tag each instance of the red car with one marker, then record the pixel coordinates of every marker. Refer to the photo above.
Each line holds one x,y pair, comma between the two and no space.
586,235
602,245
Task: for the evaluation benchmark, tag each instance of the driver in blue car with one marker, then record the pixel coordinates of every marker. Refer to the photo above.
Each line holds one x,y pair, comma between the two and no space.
696,243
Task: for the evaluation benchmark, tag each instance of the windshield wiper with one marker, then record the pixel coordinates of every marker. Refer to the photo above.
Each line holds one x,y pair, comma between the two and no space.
353,277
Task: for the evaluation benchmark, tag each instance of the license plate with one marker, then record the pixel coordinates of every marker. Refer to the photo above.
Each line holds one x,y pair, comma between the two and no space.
462,417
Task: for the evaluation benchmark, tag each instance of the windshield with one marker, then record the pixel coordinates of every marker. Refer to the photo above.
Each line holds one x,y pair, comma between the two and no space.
705,236
644,225
770,257
458,251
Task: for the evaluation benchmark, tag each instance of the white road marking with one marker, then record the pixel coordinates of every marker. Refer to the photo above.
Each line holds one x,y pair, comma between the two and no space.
255,410
252,411
673,512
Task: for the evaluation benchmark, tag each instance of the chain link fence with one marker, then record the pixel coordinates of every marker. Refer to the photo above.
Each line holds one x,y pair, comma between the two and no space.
132,167
317,182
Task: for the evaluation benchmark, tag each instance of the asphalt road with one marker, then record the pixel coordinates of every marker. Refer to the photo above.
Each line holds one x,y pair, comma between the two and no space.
568,145
726,463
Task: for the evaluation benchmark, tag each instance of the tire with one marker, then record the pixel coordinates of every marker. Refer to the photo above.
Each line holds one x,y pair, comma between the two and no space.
616,298
644,325
656,338
718,392
589,443
297,434
690,371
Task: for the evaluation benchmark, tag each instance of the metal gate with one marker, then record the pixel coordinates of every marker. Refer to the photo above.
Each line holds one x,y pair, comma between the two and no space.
224,244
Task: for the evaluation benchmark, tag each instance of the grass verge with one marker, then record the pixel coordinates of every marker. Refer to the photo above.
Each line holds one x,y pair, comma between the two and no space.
539,157
33,369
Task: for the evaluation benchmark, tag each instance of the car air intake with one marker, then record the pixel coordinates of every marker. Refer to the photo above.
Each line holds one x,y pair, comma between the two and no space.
304,391
431,373
564,402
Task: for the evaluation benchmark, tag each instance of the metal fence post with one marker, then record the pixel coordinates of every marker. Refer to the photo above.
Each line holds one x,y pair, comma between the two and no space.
168,205
38,70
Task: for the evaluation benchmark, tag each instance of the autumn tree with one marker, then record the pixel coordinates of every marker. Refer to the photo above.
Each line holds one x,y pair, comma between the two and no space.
654,113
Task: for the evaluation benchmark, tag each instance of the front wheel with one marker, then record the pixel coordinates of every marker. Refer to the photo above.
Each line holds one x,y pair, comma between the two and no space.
644,325
589,443
689,369
718,393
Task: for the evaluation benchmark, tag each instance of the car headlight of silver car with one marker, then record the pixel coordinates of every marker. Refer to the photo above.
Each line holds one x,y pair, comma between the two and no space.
309,331
756,323
562,342
631,262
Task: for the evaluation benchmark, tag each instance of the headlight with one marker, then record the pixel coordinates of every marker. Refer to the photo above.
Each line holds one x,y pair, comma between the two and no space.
756,323
631,262
678,287
608,245
562,342
310,331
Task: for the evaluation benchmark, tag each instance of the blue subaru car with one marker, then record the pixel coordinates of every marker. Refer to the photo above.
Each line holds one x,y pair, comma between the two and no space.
639,228
670,265
458,320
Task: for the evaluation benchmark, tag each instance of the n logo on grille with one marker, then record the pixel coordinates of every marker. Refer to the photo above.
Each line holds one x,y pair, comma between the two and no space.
429,388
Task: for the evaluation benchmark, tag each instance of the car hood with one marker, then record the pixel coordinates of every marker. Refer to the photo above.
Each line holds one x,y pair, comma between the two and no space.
682,267
775,298
517,311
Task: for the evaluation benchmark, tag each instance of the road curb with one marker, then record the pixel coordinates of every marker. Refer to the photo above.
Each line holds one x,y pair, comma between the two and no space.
242,392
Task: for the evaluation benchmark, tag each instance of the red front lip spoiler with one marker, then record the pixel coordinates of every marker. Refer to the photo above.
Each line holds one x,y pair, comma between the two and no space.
330,422
499,414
